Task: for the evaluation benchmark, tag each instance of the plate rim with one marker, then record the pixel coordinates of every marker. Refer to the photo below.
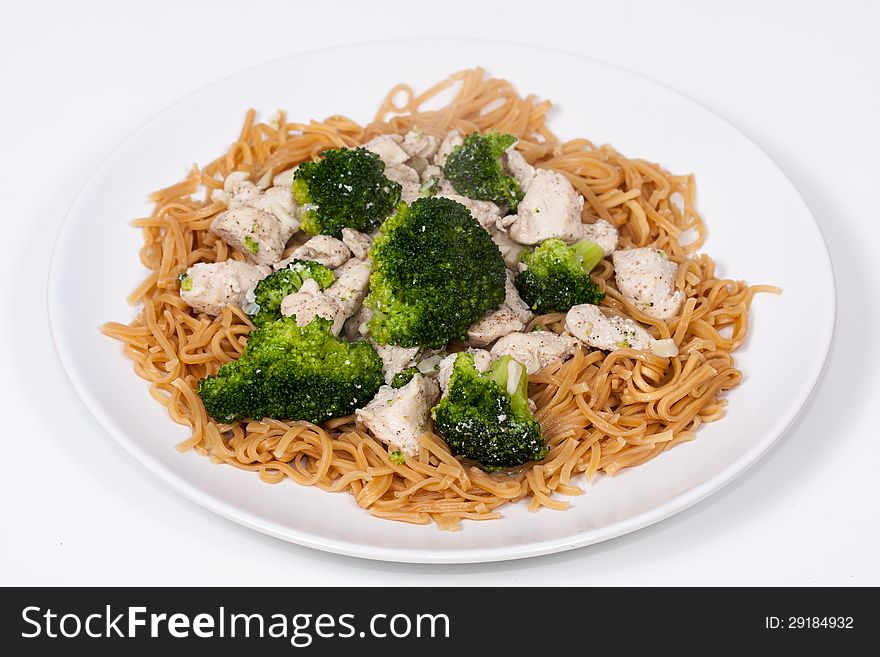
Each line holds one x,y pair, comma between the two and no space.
678,503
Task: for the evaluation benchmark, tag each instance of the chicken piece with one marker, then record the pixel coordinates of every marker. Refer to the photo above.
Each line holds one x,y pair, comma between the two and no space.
350,286
238,191
420,144
257,234
388,148
510,250
450,141
482,358
517,166
535,350
309,302
399,417
211,286
646,278
394,359
357,242
278,201
550,208
245,229
355,327
602,233
512,316
409,180
432,171
418,164
496,324
322,249
430,364
285,178
486,212
591,326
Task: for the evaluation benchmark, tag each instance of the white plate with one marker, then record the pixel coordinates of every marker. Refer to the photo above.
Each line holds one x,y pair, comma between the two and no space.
760,230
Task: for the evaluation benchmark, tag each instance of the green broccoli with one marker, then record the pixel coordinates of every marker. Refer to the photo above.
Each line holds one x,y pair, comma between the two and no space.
479,419
474,169
397,457
435,272
270,291
251,244
557,276
185,282
291,372
430,187
346,188
403,377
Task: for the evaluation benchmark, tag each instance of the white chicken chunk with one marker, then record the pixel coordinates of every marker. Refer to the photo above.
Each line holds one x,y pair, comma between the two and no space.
510,250
358,243
322,249
278,201
238,190
350,286
512,316
394,359
482,359
246,225
409,181
550,208
496,324
420,144
257,234
593,327
211,286
399,417
535,350
285,178
602,233
356,326
450,141
646,278
486,212
309,302
387,147
517,166
430,364
432,171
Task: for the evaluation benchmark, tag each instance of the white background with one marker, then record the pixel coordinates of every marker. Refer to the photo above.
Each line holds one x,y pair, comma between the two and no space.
800,78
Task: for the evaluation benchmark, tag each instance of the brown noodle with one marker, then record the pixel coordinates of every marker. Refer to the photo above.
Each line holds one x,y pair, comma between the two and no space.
600,412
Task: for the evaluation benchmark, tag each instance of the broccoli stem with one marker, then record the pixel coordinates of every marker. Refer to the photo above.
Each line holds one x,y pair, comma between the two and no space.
500,372
590,254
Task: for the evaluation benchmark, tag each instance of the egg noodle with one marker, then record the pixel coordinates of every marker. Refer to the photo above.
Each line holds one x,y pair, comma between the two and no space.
600,412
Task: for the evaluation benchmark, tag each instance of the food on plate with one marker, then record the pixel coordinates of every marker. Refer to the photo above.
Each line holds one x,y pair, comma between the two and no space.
436,272
554,277
346,188
441,312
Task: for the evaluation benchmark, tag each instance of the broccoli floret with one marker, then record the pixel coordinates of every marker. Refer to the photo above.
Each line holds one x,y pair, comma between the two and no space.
435,272
474,169
557,276
479,419
346,188
403,377
291,372
397,457
270,291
